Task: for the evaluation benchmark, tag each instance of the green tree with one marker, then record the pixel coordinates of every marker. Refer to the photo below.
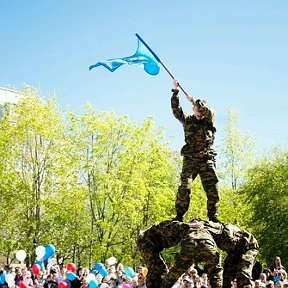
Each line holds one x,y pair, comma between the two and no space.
266,188
129,178
236,156
34,170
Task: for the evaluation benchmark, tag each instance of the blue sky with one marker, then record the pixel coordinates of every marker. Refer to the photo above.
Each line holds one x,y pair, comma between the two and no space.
231,53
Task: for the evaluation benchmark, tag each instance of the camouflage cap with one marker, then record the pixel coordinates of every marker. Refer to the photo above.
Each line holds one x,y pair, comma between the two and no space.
201,105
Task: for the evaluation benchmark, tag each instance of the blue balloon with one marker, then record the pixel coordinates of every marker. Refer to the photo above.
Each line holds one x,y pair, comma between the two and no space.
40,263
93,284
98,266
71,276
103,272
2,278
49,251
129,272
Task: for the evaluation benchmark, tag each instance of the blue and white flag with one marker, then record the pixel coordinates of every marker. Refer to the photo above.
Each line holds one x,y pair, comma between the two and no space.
142,57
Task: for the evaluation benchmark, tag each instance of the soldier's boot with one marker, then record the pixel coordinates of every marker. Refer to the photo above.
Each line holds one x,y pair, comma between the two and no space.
182,202
214,219
179,217
212,212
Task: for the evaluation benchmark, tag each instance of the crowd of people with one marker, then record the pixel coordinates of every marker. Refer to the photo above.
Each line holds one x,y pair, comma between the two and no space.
195,277
58,277
273,277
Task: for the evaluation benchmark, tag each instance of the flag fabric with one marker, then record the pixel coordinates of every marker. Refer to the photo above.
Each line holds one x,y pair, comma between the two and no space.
142,57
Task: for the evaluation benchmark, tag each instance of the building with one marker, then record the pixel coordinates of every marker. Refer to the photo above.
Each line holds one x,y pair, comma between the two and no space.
8,95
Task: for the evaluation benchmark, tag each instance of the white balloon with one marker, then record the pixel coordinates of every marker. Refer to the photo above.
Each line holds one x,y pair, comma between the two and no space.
40,251
111,261
21,255
90,277
52,261
10,279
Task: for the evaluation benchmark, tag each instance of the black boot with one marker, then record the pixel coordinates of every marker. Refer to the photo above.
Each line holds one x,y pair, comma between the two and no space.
214,219
179,218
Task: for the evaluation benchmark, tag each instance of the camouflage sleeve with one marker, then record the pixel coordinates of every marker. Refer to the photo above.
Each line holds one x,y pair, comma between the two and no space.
178,228
176,107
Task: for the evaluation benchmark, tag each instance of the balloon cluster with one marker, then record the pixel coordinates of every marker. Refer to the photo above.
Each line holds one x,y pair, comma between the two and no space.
101,269
42,253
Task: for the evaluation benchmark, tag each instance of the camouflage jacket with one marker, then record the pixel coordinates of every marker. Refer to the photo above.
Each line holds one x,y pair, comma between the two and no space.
164,234
231,238
199,134
170,233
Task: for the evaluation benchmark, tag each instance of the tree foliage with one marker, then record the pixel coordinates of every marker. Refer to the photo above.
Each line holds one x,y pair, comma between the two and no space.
236,156
266,188
85,183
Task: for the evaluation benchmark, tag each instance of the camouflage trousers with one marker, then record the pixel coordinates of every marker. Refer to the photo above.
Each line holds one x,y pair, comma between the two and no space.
239,266
196,251
154,262
192,166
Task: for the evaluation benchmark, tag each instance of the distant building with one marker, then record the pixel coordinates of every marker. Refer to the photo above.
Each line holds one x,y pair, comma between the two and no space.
8,95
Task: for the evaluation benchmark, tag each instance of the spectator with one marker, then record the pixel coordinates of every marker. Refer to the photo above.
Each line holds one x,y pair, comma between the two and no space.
278,284
187,282
18,276
263,278
269,275
39,281
27,280
277,265
204,283
141,282
192,274
61,277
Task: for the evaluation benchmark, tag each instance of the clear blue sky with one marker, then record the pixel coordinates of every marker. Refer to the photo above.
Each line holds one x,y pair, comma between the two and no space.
233,54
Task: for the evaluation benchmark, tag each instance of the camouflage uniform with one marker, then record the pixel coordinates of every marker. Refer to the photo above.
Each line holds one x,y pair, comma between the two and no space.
198,156
242,249
196,245
152,241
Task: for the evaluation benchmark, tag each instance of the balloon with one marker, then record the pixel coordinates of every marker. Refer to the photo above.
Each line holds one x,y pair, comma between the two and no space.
36,269
98,266
111,261
62,285
145,271
49,251
40,252
71,276
90,277
40,263
23,285
93,284
2,279
21,255
71,267
10,279
103,271
52,261
129,272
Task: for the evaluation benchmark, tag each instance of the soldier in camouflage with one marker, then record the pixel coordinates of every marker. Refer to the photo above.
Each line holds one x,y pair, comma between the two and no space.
197,245
242,249
198,154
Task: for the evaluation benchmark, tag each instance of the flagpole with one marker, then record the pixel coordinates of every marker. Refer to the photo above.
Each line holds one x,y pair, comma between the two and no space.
158,59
